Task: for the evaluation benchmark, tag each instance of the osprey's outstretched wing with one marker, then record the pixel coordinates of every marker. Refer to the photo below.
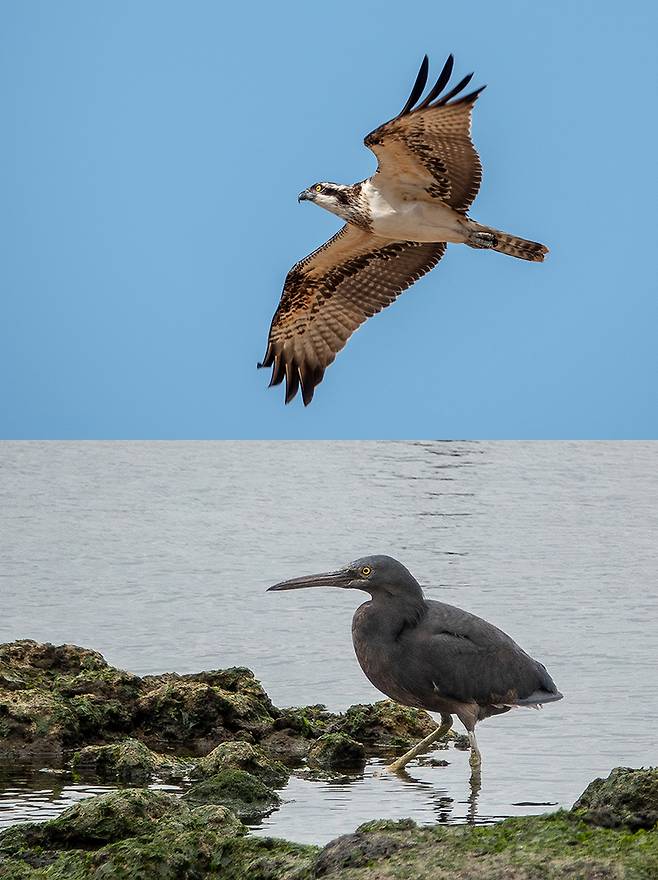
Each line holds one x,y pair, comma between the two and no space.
428,145
328,294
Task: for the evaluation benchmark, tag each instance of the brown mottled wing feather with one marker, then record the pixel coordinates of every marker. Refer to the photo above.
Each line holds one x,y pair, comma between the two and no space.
328,294
430,147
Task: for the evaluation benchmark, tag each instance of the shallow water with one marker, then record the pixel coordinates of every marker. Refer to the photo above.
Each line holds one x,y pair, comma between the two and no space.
158,555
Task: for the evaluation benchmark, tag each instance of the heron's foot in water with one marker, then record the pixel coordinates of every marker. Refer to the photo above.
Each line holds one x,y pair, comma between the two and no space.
475,759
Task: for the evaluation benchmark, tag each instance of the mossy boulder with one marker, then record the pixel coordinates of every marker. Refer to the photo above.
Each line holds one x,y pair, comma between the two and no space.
369,843
384,725
307,721
336,751
128,834
96,821
57,697
243,756
287,747
625,798
293,731
237,790
128,761
208,707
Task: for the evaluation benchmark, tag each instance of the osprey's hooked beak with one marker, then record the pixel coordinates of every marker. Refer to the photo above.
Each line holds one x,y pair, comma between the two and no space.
304,196
341,578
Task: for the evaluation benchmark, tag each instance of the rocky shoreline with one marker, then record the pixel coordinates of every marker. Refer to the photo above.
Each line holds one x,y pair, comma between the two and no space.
220,734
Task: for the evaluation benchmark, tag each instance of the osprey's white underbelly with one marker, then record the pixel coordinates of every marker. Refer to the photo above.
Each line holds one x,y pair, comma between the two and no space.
404,218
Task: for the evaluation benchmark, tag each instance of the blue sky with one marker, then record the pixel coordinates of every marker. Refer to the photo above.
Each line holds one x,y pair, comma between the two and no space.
149,167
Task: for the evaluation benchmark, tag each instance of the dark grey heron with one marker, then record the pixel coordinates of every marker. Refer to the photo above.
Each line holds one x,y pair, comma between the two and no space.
433,656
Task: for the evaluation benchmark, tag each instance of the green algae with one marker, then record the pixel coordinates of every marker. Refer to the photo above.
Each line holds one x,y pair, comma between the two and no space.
128,761
307,721
336,751
240,755
242,793
95,821
385,725
55,697
627,797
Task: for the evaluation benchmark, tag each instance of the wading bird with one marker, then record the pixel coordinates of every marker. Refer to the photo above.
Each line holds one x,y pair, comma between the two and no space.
397,224
433,656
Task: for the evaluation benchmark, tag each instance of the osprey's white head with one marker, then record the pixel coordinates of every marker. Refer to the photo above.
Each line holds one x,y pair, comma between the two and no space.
339,198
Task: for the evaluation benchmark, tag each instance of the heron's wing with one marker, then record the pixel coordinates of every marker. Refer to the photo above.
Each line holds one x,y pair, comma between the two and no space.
428,145
328,294
472,660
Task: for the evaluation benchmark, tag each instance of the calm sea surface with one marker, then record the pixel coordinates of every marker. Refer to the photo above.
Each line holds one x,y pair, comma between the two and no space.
158,555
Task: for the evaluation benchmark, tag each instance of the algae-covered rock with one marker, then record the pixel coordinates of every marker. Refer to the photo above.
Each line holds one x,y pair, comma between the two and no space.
293,731
238,790
626,798
243,756
307,721
128,761
385,725
129,834
361,848
68,695
95,821
287,747
56,697
211,706
336,751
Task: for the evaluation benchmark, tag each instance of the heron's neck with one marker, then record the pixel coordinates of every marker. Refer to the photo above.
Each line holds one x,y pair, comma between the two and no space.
398,613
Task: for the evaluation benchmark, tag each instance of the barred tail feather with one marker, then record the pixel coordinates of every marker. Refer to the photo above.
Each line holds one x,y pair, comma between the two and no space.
514,246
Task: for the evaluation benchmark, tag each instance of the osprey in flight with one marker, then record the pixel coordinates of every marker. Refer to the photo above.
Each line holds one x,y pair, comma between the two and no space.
397,223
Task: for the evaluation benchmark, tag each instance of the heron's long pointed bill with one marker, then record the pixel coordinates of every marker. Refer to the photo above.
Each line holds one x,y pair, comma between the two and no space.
341,578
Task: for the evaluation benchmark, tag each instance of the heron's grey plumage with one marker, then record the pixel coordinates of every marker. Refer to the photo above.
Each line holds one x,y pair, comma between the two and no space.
427,654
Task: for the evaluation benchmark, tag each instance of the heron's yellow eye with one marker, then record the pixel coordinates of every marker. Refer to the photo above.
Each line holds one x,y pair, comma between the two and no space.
366,570
319,188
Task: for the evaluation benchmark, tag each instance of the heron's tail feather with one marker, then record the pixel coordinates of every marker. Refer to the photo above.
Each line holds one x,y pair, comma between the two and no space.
539,697
504,243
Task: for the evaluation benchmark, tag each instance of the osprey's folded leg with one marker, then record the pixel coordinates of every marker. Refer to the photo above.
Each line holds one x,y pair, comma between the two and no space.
482,240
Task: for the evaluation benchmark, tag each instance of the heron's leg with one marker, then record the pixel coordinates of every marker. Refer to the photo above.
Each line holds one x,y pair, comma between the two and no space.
401,762
476,758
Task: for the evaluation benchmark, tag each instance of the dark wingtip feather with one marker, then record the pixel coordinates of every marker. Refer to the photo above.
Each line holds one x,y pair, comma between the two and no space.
310,379
470,97
440,84
278,372
418,86
457,89
292,381
268,358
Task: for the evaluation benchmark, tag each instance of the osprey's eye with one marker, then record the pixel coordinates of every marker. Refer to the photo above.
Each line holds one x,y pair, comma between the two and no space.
366,570
319,188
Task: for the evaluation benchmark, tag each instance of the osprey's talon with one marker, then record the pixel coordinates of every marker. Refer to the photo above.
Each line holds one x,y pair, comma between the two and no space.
482,240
